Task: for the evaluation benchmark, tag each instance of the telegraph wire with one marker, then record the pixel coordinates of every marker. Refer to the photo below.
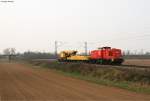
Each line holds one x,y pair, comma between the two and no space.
86,44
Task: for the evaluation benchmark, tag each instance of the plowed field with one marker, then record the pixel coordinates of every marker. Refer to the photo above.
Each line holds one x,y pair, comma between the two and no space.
22,83
137,62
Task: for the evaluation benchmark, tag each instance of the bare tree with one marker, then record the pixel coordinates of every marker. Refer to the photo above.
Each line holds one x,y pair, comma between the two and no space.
10,52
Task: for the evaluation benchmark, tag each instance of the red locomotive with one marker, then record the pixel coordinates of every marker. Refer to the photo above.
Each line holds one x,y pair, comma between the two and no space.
106,55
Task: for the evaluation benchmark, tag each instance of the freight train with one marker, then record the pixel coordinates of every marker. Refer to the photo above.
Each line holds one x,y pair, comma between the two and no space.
104,55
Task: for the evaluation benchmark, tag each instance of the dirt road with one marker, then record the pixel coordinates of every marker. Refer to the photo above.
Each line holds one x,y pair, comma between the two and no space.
20,82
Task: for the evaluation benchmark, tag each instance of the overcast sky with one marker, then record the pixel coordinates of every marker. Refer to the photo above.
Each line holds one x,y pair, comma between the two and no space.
36,24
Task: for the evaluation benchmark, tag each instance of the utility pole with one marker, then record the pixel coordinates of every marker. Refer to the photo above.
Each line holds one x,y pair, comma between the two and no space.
56,46
85,43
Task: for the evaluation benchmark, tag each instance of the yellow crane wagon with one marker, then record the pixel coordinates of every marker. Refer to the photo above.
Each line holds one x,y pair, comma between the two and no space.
71,55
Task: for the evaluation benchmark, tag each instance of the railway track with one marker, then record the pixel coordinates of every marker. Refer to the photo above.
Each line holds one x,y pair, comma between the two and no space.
125,66
131,67
137,66
121,66
99,65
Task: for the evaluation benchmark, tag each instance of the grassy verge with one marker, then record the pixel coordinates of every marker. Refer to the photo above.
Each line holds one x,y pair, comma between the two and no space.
123,85
133,80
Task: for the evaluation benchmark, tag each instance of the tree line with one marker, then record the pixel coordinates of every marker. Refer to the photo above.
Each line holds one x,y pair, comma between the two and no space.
11,54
